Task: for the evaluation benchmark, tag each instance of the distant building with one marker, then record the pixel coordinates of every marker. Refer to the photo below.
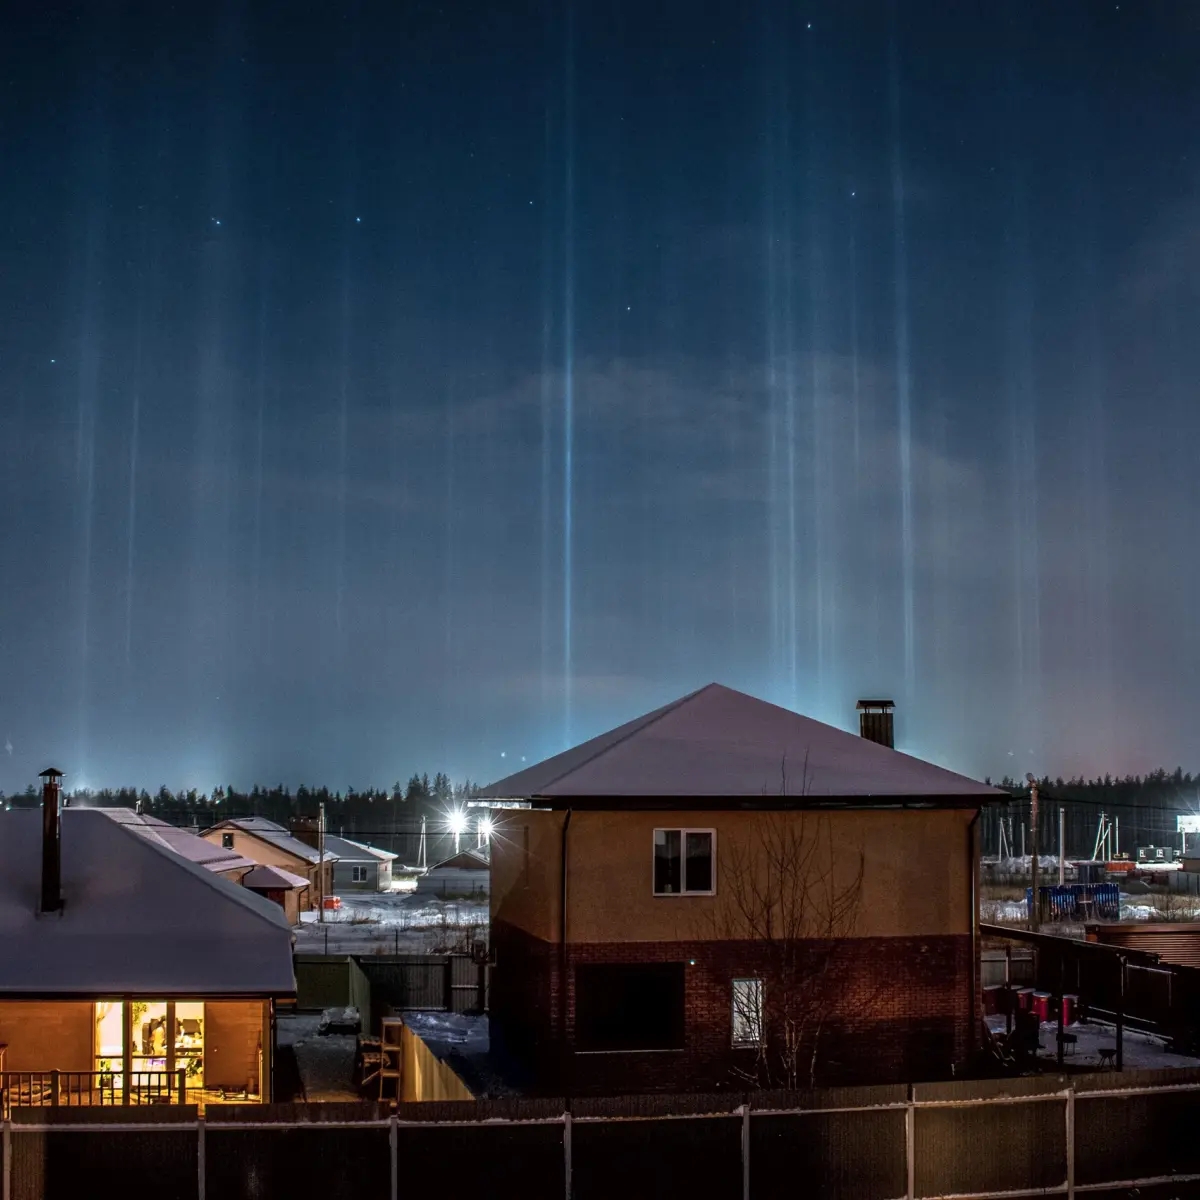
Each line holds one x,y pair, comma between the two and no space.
271,845
191,845
689,891
359,868
128,972
464,876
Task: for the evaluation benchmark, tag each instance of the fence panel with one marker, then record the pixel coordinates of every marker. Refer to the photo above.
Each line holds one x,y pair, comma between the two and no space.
405,983
335,1164
1132,1137
322,981
489,1160
840,1155
686,1156
69,1164
1006,1147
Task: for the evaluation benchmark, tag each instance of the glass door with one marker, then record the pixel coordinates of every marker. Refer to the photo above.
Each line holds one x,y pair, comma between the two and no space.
188,1026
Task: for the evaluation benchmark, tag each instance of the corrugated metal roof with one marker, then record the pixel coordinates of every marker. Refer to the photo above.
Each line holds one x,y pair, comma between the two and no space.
1175,942
717,742
136,917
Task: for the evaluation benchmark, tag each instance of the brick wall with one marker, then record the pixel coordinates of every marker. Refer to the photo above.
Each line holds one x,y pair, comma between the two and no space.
893,1009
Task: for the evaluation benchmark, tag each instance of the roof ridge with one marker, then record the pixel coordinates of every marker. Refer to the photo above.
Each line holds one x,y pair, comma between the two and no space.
651,718
222,886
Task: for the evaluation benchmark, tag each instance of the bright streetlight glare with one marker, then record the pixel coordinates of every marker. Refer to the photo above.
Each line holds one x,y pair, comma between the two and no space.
456,822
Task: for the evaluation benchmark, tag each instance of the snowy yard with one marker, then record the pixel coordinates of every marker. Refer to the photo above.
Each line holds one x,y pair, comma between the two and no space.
326,1063
394,923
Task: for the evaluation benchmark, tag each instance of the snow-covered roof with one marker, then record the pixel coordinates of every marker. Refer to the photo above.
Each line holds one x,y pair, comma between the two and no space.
137,917
269,831
720,743
465,860
183,841
272,877
348,850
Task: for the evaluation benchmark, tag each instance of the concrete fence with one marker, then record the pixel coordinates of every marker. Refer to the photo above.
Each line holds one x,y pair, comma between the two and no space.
1099,1135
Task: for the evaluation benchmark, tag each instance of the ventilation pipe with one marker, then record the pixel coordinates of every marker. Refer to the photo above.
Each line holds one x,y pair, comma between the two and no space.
875,722
51,840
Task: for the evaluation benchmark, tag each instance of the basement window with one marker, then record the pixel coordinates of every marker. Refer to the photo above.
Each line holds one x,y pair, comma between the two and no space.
629,1006
684,862
748,1012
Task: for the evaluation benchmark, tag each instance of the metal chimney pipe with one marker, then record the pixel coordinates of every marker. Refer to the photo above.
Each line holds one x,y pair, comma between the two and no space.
51,840
875,722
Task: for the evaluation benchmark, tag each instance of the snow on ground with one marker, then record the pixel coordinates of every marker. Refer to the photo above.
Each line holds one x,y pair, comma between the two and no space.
1141,1050
326,1063
394,923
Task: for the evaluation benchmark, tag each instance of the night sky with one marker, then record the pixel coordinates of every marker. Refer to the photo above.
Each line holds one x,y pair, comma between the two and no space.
400,386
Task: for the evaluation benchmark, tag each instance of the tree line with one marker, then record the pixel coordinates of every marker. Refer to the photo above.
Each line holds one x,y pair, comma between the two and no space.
372,809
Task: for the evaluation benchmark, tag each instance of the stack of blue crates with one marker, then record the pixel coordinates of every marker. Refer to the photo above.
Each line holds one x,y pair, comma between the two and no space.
1062,901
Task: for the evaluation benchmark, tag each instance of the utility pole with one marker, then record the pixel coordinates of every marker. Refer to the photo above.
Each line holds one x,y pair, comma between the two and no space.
1062,853
321,863
1033,840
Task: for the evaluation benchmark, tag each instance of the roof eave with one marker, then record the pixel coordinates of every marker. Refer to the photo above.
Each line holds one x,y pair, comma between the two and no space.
762,803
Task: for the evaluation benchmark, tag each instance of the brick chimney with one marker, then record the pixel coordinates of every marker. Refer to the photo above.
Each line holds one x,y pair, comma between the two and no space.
875,722
51,840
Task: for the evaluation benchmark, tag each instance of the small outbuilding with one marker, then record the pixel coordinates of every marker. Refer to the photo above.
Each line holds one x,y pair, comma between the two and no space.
465,875
280,887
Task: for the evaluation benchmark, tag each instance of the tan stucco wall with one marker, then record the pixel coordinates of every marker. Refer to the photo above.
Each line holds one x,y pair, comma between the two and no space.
47,1035
267,853
916,872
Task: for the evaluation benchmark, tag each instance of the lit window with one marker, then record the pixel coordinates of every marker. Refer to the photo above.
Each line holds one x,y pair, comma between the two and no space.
358,874
747,1012
683,862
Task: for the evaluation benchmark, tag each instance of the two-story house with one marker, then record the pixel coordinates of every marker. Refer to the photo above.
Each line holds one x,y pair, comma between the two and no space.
723,892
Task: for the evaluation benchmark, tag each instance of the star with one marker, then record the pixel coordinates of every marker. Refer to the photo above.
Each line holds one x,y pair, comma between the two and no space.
358,220
216,220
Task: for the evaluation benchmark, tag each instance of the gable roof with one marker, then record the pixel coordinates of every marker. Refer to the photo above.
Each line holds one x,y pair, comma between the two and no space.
349,851
721,743
269,831
274,878
183,841
136,917
465,860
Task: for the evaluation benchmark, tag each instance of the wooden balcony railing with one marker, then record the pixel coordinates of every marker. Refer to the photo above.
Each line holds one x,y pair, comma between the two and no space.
76,1089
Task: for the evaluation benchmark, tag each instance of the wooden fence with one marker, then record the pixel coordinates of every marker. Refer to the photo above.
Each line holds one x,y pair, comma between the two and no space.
1099,1135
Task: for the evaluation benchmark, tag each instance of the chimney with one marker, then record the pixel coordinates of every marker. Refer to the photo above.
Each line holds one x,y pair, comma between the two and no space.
51,841
875,722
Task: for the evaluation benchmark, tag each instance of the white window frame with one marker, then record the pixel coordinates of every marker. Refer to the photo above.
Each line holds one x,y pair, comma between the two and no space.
746,1043
356,877
683,831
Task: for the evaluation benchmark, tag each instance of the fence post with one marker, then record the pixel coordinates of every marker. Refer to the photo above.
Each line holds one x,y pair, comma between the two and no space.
181,1084
6,1153
54,1088
910,1141
394,1151
567,1153
200,1171
1071,1142
481,987
746,1151
448,984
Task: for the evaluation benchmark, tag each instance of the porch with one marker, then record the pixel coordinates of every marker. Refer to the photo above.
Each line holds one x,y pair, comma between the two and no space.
134,1051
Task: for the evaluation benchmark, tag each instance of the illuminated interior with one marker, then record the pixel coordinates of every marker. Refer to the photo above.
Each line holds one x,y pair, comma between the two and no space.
165,1037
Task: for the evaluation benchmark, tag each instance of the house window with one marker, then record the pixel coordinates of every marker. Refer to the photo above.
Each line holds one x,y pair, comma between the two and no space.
227,841
629,1006
747,1012
683,862
358,874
